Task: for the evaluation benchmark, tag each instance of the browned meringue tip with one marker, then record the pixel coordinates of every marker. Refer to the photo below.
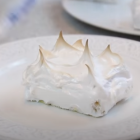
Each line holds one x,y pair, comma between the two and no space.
79,45
46,53
89,69
61,36
61,43
86,43
86,47
41,56
108,50
40,48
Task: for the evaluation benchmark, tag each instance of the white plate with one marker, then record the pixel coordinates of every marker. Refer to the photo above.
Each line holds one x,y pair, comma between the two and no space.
35,121
114,17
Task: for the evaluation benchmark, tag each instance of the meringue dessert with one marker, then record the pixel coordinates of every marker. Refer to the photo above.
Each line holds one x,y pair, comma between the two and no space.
70,77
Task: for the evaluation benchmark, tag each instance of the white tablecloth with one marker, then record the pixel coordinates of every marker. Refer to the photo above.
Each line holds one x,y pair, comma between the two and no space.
49,18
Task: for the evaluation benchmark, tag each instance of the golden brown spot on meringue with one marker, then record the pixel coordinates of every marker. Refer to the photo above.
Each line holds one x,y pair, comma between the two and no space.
97,103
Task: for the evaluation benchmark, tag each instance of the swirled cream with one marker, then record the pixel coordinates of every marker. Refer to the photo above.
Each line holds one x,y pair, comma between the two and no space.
69,77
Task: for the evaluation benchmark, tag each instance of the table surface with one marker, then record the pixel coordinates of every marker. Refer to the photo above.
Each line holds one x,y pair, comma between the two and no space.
49,18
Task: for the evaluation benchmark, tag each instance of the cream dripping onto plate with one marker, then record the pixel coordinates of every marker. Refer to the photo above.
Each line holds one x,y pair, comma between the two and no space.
71,78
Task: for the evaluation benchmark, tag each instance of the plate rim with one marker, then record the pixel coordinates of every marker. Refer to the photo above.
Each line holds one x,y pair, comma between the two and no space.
67,35
44,37
98,26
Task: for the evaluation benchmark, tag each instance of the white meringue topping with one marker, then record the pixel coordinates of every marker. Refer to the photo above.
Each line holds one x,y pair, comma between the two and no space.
71,78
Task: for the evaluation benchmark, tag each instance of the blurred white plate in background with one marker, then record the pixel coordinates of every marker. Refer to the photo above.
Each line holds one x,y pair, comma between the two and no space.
116,17
22,120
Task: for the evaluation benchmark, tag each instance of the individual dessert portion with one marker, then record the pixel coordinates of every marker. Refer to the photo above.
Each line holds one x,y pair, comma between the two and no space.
71,78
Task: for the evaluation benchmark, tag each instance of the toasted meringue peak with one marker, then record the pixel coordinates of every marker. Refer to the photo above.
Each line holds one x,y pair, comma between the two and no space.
61,44
86,56
65,53
108,57
106,62
79,45
33,68
89,70
46,54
